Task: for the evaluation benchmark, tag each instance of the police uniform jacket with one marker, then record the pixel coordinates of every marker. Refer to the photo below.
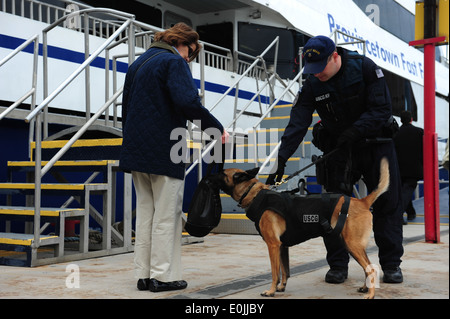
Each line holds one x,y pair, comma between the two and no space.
159,96
357,96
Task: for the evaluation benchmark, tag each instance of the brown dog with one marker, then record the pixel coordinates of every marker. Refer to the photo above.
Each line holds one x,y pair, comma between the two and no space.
243,187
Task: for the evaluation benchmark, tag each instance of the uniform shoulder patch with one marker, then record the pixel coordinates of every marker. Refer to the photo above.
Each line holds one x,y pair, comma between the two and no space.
379,73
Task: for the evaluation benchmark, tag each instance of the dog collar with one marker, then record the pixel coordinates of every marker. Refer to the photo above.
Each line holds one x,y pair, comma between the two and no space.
245,194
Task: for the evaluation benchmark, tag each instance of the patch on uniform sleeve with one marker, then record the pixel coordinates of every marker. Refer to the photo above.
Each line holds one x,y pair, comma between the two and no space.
379,73
296,97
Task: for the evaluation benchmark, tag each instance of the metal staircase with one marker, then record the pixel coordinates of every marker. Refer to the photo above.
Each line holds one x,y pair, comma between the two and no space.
72,178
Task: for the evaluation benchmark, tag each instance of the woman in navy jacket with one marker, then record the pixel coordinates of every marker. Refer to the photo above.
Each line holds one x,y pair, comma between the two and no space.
160,96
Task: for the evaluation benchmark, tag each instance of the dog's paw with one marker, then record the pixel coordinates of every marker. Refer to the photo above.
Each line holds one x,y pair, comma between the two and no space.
281,288
267,293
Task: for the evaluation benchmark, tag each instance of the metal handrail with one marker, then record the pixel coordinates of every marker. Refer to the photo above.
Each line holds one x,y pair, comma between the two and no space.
335,32
209,147
259,58
80,132
32,91
37,112
86,63
286,90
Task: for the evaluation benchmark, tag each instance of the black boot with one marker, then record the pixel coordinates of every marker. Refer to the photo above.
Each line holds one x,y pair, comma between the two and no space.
393,275
336,275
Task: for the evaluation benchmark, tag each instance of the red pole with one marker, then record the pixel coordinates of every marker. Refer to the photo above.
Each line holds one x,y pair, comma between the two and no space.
430,159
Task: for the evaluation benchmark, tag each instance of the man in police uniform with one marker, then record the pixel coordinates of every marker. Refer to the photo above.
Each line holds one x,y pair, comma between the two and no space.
350,95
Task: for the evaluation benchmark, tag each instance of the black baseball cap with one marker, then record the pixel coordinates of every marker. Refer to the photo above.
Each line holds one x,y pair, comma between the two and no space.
316,52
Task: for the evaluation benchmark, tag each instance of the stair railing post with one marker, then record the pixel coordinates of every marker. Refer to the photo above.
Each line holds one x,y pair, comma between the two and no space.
87,70
37,180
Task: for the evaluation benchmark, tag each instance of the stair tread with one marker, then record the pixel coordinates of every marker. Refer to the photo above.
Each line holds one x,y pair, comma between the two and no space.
80,143
22,239
54,186
63,163
29,211
252,160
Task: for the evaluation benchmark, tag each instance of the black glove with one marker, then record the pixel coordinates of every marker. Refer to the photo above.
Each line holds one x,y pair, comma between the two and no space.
348,138
278,175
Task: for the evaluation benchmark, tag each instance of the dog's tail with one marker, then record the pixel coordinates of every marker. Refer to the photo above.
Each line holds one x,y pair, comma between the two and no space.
383,184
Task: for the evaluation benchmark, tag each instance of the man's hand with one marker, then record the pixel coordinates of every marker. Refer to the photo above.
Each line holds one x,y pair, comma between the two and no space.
348,138
278,175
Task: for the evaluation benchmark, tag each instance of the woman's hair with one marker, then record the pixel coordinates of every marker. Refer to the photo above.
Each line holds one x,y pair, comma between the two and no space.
180,33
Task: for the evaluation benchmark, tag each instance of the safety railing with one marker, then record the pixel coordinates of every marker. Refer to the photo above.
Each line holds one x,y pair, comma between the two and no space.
247,72
32,92
336,33
40,110
270,78
48,13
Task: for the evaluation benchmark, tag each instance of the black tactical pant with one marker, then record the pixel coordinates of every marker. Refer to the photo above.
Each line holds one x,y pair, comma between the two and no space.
387,210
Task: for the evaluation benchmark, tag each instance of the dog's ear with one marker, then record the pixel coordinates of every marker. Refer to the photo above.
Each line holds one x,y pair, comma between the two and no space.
253,172
245,176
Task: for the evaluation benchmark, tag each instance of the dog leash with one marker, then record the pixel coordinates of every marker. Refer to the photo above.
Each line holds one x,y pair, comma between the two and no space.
320,159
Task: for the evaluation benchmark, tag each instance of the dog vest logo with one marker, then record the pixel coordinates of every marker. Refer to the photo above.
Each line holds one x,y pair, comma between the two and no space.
311,218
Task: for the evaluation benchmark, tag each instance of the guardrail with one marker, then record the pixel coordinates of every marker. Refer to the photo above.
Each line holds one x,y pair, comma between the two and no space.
37,112
32,92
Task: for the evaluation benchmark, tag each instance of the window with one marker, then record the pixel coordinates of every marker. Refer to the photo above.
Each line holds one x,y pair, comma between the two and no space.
170,19
402,96
254,39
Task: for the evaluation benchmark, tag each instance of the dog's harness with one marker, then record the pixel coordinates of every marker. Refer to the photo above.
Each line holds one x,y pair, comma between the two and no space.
306,217
245,194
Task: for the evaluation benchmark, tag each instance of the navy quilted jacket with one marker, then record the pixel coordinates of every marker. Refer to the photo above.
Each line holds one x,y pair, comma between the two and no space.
159,96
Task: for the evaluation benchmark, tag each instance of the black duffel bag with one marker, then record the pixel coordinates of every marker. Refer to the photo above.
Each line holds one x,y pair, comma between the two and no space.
205,209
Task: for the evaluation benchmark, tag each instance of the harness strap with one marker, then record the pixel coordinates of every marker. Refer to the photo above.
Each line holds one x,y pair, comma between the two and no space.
342,217
245,194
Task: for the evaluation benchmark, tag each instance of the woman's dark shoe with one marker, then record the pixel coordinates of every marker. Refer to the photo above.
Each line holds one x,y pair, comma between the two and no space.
157,286
143,284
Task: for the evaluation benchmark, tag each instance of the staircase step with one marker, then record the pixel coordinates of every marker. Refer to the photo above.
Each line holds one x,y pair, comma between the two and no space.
62,163
26,239
82,165
89,149
80,143
281,110
55,189
45,211
63,187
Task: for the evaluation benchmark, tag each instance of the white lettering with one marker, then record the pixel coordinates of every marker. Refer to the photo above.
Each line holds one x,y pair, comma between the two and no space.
202,309
73,279
373,277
